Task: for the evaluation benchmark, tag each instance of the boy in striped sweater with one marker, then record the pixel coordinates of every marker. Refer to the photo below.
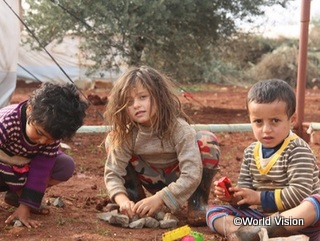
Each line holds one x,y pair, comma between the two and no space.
279,173
30,159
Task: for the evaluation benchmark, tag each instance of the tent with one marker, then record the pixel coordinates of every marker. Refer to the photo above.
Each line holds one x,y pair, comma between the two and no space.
9,43
36,65
60,62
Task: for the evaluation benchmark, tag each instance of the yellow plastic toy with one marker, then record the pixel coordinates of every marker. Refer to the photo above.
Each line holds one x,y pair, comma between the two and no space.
176,233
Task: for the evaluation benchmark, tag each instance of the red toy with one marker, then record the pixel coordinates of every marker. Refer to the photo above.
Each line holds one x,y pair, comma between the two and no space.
225,183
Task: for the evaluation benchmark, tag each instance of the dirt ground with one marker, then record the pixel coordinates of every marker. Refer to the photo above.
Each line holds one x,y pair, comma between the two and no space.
84,194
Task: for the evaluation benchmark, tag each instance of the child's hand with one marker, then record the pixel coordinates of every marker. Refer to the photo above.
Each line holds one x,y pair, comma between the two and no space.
246,196
125,204
23,214
148,206
126,208
221,193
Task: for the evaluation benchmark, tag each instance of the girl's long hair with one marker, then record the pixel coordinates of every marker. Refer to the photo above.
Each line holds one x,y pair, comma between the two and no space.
163,99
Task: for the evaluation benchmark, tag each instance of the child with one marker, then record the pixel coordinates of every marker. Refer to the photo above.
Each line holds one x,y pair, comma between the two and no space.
30,159
151,145
278,172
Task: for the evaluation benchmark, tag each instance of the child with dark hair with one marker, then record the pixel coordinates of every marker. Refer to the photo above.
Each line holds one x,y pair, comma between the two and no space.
279,181
30,134
152,145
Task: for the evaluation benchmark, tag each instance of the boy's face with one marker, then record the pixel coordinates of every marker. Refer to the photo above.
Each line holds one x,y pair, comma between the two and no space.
270,123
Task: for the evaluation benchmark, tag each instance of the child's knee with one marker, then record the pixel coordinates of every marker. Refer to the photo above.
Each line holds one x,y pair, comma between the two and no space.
63,168
212,215
209,148
315,201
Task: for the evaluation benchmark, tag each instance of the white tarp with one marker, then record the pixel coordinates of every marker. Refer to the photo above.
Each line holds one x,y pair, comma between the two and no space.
39,66
59,62
9,43
34,65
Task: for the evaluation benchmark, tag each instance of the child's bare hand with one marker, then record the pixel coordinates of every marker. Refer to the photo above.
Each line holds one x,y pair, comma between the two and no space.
246,196
148,206
23,214
220,193
126,208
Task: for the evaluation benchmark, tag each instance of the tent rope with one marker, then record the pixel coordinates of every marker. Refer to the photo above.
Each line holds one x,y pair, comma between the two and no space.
53,59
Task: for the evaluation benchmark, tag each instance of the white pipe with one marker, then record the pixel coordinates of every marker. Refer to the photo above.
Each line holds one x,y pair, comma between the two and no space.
209,127
314,126
223,127
93,129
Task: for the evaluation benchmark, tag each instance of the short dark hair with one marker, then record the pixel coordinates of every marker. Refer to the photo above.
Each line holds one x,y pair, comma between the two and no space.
268,91
58,109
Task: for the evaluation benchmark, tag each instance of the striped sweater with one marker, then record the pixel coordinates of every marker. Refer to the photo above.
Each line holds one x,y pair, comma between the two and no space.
290,175
15,142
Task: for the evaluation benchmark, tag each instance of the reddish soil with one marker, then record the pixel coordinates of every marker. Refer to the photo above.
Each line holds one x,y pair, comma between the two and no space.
84,194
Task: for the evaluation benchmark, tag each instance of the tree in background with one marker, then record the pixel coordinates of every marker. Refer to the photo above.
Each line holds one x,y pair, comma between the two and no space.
172,35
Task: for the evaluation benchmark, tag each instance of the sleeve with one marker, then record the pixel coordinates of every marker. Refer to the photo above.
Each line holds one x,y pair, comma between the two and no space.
190,164
268,202
301,174
38,177
245,178
3,132
115,169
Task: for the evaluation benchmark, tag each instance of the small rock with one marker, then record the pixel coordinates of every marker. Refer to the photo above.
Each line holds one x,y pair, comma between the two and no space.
151,222
58,202
134,218
169,216
17,223
114,218
106,215
171,223
138,223
159,215
119,219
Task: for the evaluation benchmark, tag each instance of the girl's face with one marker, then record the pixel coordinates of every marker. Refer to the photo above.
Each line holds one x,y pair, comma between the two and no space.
139,105
270,123
36,133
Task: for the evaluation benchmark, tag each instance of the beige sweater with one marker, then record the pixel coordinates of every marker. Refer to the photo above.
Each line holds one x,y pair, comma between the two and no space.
181,148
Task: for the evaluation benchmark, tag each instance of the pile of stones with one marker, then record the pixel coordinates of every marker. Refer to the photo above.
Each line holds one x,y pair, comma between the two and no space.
158,220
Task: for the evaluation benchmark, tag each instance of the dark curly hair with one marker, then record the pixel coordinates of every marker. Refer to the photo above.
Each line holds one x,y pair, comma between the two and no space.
58,109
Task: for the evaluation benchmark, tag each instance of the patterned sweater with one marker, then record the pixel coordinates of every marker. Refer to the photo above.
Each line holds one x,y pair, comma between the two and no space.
290,175
181,148
14,142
